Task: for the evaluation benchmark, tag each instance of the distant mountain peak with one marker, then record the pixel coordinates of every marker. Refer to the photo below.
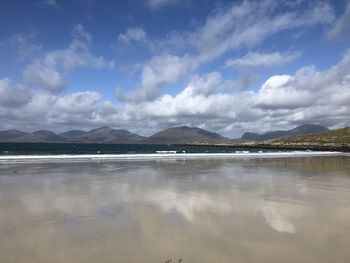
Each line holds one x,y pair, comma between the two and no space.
73,133
43,132
10,134
184,134
103,128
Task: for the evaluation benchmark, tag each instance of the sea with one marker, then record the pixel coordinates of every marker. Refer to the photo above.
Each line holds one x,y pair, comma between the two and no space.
72,148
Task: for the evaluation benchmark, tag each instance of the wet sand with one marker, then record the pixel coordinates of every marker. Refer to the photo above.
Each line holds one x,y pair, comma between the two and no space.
198,210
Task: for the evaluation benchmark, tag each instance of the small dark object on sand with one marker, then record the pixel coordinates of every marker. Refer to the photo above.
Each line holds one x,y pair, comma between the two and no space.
15,172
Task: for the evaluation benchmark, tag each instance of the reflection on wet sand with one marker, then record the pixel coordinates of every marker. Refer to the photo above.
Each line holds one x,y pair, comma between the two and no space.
275,210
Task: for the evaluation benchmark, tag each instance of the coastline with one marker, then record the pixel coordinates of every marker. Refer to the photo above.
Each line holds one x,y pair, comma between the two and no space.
278,146
8,159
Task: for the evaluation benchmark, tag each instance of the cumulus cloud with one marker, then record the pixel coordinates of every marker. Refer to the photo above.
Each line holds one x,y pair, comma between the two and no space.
229,28
160,70
206,85
341,26
200,101
207,100
42,76
282,101
82,109
12,96
257,59
51,111
48,72
312,95
37,96
77,103
279,92
324,86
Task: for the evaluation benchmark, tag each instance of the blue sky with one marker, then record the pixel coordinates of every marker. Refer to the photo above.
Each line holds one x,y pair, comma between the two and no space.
226,66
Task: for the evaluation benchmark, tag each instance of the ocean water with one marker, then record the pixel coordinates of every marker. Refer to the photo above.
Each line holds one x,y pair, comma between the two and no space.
185,210
71,148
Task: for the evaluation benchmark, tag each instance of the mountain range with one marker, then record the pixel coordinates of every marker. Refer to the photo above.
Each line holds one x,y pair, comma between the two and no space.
175,135
300,130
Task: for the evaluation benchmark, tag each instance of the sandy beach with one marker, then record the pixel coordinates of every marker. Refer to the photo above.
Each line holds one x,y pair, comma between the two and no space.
197,210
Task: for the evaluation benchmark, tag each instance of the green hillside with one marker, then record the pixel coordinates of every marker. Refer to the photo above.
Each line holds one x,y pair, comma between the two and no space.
338,136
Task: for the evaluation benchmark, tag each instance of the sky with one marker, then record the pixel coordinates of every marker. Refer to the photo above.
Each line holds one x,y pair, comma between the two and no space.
147,65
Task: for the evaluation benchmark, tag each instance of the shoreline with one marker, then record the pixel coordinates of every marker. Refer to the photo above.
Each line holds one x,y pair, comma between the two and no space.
296,147
8,159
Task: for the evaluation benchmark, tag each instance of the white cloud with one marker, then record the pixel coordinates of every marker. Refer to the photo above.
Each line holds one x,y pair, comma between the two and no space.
49,72
13,96
160,70
207,100
282,101
90,111
33,114
77,54
206,85
279,92
341,26
229,28
136,34
310,95
163,69
257,59
201,101
78,103
39,75
49,111
250,23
